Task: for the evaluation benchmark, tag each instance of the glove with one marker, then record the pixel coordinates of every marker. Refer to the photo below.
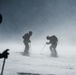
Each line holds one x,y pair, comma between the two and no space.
29,41
5,54
46,42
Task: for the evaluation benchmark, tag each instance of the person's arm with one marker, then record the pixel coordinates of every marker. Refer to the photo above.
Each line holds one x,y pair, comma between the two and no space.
29,41
48,42
23,37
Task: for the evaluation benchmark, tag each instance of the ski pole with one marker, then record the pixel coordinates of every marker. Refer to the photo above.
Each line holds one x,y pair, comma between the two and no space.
3,66
43,48
5,56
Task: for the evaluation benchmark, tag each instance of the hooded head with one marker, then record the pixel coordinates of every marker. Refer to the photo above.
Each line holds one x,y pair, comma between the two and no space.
30,33
48,38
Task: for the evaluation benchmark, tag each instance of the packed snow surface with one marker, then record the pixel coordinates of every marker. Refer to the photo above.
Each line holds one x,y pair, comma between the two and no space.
41,64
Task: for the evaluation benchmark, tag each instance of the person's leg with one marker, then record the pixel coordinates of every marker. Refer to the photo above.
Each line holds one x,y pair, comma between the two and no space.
51,49
26,51
54,50
25,47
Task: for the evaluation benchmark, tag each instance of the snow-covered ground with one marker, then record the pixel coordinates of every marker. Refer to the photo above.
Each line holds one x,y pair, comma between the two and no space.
36,63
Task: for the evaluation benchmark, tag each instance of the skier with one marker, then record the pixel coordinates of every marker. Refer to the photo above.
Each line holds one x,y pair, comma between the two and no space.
26,42
53,41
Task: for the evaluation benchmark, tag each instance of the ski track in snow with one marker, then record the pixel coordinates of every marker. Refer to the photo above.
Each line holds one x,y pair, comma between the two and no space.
41,64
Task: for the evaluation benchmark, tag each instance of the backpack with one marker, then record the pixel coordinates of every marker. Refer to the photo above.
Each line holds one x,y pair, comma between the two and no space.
53,39
25,36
